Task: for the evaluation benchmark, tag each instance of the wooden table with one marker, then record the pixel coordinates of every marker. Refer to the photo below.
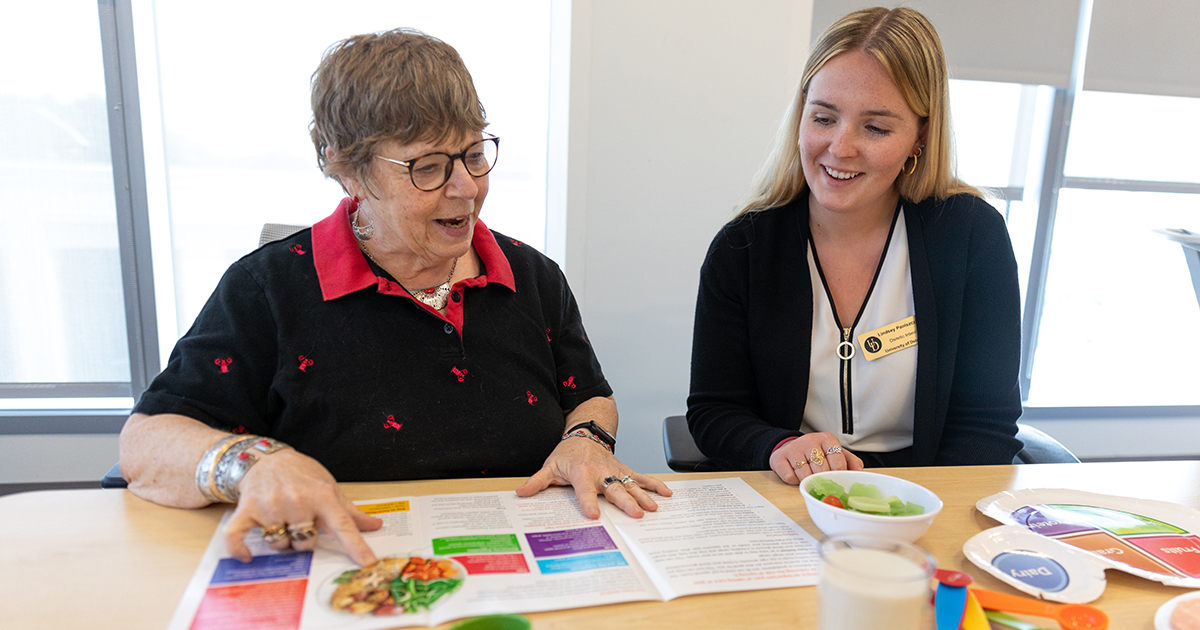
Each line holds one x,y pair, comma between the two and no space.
107,559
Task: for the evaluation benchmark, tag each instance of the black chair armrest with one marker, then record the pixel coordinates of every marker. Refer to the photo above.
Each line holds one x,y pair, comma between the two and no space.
113,478
1040,448
682,453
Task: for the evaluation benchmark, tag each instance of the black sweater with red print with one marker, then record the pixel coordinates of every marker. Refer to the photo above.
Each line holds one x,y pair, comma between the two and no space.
317,348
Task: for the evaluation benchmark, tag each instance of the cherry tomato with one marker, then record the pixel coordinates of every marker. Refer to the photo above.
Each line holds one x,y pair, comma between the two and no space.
834,501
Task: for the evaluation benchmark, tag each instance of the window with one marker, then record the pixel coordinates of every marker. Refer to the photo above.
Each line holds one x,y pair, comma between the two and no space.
62,313
219,136
235,118
994,124
1120,306
1118,299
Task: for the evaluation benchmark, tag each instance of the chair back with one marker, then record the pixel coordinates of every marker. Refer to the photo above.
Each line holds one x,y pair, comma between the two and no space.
1040,448
682,453
277,231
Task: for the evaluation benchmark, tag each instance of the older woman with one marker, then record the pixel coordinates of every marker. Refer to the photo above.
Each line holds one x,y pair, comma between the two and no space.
399,338
857,242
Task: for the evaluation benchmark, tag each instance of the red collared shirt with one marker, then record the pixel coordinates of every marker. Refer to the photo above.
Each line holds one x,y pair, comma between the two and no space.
342,269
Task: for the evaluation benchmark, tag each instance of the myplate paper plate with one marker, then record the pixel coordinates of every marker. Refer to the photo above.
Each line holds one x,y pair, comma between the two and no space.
1040,566
1162,619
1155,540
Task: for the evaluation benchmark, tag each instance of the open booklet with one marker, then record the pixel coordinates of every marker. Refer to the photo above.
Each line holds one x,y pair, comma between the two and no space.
462,555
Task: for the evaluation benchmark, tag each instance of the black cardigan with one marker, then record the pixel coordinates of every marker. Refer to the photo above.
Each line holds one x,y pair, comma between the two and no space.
753,334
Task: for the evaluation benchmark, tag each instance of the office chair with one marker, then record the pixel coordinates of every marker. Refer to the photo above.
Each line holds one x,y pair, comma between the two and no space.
113,478
684,456
277,231
1040,448
270,232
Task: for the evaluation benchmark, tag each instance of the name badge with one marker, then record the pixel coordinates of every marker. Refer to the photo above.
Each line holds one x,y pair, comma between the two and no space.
891,338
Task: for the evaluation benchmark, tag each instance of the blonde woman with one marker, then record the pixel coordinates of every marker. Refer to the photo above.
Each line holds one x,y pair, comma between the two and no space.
863,307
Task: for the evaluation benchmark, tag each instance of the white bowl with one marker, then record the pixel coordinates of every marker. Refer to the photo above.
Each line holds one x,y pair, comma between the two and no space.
834,520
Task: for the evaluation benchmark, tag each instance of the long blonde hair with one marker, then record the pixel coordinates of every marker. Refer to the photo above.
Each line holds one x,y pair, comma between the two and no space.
908,46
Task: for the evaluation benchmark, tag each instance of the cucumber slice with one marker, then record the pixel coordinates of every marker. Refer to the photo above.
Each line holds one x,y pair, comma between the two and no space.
869,504
866,490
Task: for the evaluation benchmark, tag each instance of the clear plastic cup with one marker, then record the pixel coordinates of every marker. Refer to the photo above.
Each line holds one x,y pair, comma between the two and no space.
868,583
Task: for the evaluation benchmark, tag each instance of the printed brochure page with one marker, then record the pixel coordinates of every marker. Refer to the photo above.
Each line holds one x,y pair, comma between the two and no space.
718,535
444,557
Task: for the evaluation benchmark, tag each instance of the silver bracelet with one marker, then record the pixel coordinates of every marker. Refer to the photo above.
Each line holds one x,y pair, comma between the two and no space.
238,459
206,470
589,436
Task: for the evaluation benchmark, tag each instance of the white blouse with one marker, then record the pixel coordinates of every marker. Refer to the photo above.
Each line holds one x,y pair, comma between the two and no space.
882,391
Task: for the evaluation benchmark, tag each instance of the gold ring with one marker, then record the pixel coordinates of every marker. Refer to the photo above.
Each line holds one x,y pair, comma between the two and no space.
816,457
274,533
799,463
301,532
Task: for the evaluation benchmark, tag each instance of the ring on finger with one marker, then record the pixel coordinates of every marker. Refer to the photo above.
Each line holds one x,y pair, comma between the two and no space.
627,479
301,532
833,449
610,480
798,463
816,457
274,533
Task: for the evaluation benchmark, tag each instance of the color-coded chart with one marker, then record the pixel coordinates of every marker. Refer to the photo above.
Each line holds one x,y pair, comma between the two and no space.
264,594
1133,539
1156,540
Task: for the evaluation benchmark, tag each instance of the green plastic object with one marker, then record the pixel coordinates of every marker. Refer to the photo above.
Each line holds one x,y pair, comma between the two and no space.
494,622
1010,621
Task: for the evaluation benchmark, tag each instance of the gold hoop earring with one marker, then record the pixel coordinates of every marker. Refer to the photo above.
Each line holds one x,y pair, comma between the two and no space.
914,166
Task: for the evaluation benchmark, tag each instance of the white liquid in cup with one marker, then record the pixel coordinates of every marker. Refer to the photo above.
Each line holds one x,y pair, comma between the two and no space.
869,589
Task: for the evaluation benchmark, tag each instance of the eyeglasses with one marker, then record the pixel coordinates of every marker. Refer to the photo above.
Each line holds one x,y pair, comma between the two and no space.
431,171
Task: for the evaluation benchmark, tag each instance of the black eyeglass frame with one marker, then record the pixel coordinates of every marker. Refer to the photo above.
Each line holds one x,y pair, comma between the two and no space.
459,157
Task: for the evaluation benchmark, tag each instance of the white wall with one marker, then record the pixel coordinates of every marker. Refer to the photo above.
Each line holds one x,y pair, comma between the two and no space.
53,458
681,101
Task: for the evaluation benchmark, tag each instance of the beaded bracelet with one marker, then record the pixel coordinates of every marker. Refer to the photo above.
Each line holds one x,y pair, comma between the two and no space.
588,436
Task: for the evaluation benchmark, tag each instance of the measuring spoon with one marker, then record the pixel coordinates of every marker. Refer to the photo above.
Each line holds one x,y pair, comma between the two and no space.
1008,621
1068,616
951,599
952,578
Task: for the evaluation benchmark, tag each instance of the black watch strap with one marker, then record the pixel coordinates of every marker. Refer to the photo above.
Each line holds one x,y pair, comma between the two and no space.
597,431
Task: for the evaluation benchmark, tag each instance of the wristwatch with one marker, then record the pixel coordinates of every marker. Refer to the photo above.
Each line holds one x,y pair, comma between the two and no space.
597,431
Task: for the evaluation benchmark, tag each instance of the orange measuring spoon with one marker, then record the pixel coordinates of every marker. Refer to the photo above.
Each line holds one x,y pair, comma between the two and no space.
1068,616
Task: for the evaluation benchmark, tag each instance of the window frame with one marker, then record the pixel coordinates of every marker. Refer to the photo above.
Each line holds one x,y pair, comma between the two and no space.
115,19
1054,179
144,322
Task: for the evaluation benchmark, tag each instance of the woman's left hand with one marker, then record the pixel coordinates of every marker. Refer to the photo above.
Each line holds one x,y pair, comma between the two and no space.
584,464
812,453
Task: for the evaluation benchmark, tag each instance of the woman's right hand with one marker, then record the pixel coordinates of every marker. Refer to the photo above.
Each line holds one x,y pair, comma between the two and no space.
292,489
812,453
